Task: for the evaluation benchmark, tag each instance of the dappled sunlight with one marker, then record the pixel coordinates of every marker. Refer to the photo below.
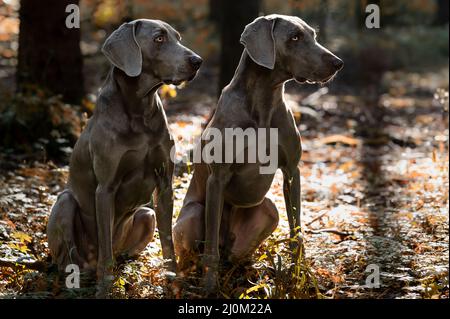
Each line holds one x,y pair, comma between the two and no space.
375,142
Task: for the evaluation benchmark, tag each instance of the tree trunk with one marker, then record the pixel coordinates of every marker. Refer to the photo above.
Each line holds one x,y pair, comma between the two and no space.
49,52
235,15
442,12
214,10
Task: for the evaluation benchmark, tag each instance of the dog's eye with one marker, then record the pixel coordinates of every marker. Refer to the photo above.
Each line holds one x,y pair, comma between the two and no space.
159,39
297,37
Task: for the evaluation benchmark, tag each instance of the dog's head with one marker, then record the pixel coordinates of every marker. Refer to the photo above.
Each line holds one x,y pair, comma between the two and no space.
152,47
289,45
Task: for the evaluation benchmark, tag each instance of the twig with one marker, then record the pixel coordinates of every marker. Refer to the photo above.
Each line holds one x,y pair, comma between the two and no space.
329,230
33,265
316,218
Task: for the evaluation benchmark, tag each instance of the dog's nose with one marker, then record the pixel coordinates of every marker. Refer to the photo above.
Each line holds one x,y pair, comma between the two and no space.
333,60
195,61
338,64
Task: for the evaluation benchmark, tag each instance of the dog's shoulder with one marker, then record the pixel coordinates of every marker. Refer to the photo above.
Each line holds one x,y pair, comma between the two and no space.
231,108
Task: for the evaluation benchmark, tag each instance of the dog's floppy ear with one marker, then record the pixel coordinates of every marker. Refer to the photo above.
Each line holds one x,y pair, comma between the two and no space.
123,51
259,42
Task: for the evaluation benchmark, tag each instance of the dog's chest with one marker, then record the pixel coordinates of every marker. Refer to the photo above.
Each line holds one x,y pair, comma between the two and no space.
139,177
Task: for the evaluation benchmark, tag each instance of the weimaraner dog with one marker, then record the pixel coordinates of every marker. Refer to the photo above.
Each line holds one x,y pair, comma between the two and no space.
226,207
123,156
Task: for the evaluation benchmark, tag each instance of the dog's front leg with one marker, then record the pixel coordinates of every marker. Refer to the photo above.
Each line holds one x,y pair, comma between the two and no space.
164,212
291,190
104,198
213,214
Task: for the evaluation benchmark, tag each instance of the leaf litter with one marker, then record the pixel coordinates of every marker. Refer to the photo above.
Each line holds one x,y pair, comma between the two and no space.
372,194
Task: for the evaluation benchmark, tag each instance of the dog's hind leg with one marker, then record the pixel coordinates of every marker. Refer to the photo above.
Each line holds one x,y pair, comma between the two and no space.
133,236
249,227
62,240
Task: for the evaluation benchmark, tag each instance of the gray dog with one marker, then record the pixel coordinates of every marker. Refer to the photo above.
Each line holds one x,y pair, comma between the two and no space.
226,205
123,156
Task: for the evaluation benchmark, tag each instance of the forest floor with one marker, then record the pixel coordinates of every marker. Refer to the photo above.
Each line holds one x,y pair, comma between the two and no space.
374,197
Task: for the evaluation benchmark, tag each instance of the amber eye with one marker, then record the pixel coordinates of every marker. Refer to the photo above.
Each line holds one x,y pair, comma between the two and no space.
297,37
159,39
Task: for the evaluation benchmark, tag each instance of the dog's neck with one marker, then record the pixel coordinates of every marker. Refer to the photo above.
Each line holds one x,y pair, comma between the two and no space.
263,88
132,101
138,91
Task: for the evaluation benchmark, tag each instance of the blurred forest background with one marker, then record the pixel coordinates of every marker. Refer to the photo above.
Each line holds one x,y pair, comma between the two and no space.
375,163
44,63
